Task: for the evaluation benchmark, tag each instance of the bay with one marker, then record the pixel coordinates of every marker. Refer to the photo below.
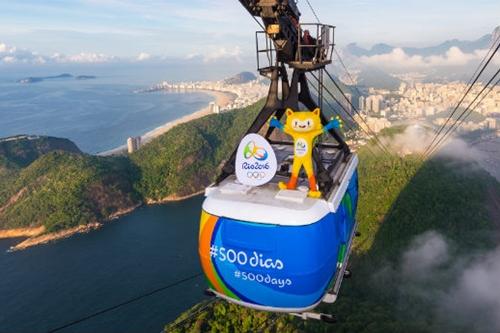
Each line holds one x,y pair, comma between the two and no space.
98,115
50,285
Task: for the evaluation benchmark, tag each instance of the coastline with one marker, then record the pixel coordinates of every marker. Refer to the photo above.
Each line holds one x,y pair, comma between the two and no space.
22,232
221,98
37,236
174,198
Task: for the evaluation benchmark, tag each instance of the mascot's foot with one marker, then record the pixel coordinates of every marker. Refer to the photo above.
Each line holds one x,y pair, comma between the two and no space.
285,186
314,194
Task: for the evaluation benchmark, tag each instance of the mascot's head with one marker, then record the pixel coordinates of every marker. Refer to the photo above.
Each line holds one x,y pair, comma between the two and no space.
303,121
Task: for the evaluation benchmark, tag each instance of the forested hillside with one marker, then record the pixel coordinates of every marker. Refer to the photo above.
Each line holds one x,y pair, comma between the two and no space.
48,181
61,190
187,158
400,200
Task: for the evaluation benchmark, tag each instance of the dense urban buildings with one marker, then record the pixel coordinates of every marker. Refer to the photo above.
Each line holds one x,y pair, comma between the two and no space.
245,93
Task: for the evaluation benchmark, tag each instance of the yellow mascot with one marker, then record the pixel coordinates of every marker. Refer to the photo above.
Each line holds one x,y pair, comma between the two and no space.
304,127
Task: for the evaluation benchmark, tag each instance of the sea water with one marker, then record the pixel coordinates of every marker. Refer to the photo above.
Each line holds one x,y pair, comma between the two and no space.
47,286
97,114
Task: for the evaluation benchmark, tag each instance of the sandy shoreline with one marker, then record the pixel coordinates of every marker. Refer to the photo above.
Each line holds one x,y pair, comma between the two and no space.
221,98
37,236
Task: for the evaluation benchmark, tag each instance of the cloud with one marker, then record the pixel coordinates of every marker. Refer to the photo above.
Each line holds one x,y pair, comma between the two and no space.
450,290
475,298
460,150
414,139
13,55
143,56
427,252
83,58
218,54
399,59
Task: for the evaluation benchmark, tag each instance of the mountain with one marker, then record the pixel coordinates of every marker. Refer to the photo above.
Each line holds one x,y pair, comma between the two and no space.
241,78
185,160
466,47
496,34
419,224
374,77
49,182
22,150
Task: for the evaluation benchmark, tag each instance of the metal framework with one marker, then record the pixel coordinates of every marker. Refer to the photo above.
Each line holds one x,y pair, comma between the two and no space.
282,45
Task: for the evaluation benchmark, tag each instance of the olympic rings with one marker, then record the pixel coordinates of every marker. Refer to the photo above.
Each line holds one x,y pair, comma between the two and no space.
256,175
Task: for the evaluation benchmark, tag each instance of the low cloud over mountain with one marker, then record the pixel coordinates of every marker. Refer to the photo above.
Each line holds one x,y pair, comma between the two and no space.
398,58
453,53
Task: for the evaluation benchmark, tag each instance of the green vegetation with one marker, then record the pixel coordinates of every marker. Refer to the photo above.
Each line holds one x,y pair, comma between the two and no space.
187,158
48,181
475,117
23,150
399,199
61,190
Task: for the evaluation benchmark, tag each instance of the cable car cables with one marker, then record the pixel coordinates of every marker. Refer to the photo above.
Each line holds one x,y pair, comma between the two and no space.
433,145
346,124
378,141
461,118
131,300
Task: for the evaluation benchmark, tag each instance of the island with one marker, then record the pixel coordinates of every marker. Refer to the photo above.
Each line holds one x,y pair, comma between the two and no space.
64,76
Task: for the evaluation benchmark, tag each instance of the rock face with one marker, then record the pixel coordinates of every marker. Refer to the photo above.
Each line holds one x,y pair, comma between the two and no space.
243,77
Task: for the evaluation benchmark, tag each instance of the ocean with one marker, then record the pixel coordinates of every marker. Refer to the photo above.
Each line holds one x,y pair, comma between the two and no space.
97,114
47,286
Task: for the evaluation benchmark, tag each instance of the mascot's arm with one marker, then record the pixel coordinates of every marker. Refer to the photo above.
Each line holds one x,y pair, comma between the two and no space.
335,123
274,122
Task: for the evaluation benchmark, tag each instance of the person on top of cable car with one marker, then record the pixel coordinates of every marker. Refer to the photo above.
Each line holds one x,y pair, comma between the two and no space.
309,50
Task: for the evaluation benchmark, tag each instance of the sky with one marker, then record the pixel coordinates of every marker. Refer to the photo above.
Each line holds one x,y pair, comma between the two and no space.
215,29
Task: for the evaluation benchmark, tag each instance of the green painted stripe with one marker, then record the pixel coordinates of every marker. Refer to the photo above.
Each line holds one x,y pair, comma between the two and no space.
226,290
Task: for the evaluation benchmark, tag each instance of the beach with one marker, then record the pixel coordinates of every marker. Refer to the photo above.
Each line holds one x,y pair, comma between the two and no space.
37,235
221,98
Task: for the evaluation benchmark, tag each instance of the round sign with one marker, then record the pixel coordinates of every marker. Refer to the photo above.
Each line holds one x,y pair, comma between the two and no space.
255,161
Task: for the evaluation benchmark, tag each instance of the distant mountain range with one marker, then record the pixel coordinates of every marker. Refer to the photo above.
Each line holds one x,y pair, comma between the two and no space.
466,46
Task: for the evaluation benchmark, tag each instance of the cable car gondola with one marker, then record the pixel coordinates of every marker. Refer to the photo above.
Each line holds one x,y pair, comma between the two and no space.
270,246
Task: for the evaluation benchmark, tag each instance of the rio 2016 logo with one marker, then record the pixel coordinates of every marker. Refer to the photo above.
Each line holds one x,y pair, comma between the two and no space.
256,162
252,150
301,147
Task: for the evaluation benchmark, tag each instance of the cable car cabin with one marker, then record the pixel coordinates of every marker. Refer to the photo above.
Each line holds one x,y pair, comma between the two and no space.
280,250
315,47
264,243
312,51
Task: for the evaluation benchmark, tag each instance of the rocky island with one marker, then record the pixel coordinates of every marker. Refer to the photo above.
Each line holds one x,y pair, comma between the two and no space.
65,76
